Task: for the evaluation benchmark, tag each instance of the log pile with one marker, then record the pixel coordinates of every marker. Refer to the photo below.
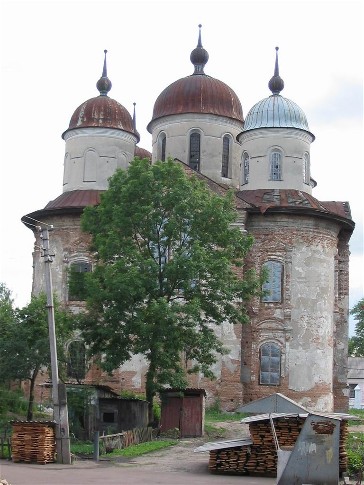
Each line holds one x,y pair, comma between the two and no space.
229,460
33,442
260,458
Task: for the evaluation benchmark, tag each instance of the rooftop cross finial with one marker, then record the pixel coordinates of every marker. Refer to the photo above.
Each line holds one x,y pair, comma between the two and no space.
104,84
199,56
276,83
199,43
104,71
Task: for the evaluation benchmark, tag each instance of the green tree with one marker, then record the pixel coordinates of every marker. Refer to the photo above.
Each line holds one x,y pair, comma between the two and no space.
169,265
24,346
356,343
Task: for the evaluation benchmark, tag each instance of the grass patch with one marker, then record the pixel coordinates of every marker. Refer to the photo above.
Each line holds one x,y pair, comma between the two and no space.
82,448
214,414
142,448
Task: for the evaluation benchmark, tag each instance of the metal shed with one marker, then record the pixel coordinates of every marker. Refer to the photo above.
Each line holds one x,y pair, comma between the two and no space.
183,409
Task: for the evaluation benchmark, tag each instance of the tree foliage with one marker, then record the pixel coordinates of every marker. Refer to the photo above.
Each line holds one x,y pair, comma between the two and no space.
356,343
24,341
169,265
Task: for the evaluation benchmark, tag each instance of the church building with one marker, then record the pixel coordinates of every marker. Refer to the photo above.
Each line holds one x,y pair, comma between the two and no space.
296,340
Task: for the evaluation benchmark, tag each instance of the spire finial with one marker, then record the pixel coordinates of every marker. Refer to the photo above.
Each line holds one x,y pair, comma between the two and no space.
276,83
104,84
199,43
104,71
199,56
134,117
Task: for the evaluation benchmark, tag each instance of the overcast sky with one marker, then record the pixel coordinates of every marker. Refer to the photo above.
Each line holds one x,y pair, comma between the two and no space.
52,56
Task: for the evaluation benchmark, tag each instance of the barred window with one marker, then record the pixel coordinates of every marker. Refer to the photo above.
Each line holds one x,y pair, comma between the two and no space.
276,165
306,168
270,364
76,362
225,156
272,288
162,142
195,148
245,168
76,280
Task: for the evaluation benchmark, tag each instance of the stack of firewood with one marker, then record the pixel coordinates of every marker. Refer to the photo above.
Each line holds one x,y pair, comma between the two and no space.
33,442
260,457
229,460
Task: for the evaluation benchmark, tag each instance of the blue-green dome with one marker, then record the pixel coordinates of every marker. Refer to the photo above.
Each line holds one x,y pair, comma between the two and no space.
276,112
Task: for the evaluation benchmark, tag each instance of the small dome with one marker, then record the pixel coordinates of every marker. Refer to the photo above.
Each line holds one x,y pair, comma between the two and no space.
276,112
198,93
102,111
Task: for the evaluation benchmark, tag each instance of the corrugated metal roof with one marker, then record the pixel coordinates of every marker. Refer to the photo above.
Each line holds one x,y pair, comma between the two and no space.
276,112
198,94
102,112
267,416
218,445
274,403
278,199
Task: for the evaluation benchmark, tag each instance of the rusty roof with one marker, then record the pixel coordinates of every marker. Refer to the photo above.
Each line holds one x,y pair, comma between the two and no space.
198,93
294,200
102,112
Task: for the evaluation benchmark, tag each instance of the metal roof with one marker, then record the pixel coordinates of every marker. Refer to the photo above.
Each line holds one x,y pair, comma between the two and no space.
218,445
268,416
274,403
276,112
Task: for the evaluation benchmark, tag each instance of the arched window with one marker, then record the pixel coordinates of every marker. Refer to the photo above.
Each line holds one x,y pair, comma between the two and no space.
275,165
225,165
76,280
195,151
245,168
270,364
76,361
162,142
272,288
306,168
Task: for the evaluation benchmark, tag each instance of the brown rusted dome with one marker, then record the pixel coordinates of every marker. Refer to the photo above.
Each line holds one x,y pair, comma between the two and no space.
198,93
102,111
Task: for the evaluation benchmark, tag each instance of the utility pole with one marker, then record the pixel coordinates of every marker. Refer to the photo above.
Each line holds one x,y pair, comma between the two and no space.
59,396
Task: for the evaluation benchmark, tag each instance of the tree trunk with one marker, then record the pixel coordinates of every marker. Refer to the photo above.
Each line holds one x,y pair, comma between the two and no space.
150,393
31,395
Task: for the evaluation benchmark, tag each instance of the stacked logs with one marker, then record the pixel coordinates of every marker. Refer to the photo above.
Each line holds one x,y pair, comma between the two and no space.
260,458
343,456
33,442
229,460
263,455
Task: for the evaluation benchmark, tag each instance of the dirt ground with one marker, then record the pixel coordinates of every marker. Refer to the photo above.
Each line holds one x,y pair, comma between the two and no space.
182,457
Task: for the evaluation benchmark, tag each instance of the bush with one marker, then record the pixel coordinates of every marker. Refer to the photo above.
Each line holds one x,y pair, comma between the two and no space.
355,451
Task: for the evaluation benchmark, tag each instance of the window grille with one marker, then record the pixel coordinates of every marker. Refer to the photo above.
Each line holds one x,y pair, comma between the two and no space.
306,168
76,362
76,280
276,166
163,149
245,168
195,142
272,288
225,156
270,364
